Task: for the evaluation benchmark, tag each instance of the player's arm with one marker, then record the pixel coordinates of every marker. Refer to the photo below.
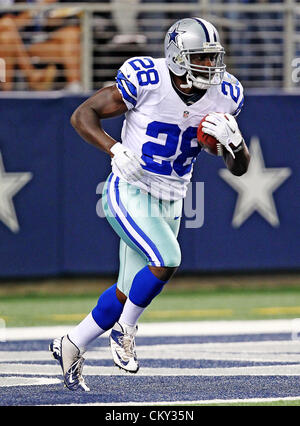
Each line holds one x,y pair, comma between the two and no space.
225,129
86,119
238,165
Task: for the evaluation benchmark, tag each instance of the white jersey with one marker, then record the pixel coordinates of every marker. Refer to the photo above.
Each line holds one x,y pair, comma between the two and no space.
161,128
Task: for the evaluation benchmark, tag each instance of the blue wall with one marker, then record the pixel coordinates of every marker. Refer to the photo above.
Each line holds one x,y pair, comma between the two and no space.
60,232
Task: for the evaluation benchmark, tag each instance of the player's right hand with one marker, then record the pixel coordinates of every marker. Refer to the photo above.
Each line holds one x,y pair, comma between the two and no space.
127,163
225,129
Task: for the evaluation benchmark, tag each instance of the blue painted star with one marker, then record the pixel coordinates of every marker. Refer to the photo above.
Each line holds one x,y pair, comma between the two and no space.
173,35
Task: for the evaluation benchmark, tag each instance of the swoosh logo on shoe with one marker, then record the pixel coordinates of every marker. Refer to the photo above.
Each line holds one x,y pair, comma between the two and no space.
122,361
115,336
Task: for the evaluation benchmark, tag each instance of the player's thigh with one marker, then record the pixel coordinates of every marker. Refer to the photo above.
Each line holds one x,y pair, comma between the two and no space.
143,223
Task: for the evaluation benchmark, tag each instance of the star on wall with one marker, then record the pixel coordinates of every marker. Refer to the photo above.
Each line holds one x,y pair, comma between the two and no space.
10,185
255,188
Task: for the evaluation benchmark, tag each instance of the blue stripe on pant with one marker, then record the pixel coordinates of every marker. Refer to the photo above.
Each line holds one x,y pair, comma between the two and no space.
129,226
145,240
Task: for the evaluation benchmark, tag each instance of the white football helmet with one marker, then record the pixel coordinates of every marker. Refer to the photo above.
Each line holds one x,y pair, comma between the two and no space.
189,36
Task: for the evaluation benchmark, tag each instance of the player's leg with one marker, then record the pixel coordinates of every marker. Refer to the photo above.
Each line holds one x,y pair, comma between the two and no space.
134,271
149,230
146,285
69,349
157,222
110,303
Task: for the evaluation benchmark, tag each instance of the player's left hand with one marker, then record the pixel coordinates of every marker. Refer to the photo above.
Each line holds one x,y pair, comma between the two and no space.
224,128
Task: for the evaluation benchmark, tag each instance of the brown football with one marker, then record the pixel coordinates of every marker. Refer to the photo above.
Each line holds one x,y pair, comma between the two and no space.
208,142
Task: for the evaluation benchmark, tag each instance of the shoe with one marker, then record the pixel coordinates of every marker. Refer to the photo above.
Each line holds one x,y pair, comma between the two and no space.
122,346
71,362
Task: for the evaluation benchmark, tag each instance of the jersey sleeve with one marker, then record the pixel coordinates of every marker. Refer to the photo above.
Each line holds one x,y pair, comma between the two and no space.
126,81
240,105
136,77
233,90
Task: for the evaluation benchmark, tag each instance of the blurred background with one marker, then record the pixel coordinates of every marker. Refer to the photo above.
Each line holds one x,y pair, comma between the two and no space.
55,245
86,42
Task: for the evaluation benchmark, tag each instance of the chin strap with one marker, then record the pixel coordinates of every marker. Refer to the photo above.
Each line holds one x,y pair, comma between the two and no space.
188,84
197,84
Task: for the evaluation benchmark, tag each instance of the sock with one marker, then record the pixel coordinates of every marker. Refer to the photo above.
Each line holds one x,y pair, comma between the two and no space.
85,332
131,313
108,309
145,287
102,318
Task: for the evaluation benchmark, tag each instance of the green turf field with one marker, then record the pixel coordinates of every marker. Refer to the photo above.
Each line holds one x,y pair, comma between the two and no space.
37,305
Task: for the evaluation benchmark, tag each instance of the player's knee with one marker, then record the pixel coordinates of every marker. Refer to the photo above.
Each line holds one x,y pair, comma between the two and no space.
173,260
170,261
163,273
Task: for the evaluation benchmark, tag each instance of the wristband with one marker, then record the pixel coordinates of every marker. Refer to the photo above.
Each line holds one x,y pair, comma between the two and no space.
239,147
117,147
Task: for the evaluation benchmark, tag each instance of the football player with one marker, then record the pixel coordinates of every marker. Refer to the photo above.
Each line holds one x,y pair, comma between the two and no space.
163,101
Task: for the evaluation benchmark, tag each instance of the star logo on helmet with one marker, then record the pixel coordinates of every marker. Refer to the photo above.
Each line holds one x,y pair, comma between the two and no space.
173,36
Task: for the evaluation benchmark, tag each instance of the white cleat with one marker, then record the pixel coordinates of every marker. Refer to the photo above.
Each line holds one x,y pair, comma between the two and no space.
71,361
122,344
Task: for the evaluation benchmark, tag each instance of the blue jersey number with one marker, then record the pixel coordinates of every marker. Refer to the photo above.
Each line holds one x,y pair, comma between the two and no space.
233,90
146,73
158,157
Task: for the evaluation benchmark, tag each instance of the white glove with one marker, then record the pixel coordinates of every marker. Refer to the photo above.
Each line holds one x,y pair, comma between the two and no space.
127,163
224,128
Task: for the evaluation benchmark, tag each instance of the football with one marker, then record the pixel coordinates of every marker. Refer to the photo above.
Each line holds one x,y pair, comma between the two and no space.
208,142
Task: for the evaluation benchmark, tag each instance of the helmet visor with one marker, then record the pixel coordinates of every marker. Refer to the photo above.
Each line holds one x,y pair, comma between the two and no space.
205,65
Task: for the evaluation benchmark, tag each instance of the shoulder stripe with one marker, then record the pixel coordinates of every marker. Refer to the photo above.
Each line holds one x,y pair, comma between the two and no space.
127,89
131,86
238,110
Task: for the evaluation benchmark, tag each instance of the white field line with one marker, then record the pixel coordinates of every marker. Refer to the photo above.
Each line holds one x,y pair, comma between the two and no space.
25,381
53,370
284,351
195,328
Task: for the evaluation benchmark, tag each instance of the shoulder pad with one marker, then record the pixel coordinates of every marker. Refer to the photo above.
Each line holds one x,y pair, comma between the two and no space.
145,70
136,76
233,90
230,78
